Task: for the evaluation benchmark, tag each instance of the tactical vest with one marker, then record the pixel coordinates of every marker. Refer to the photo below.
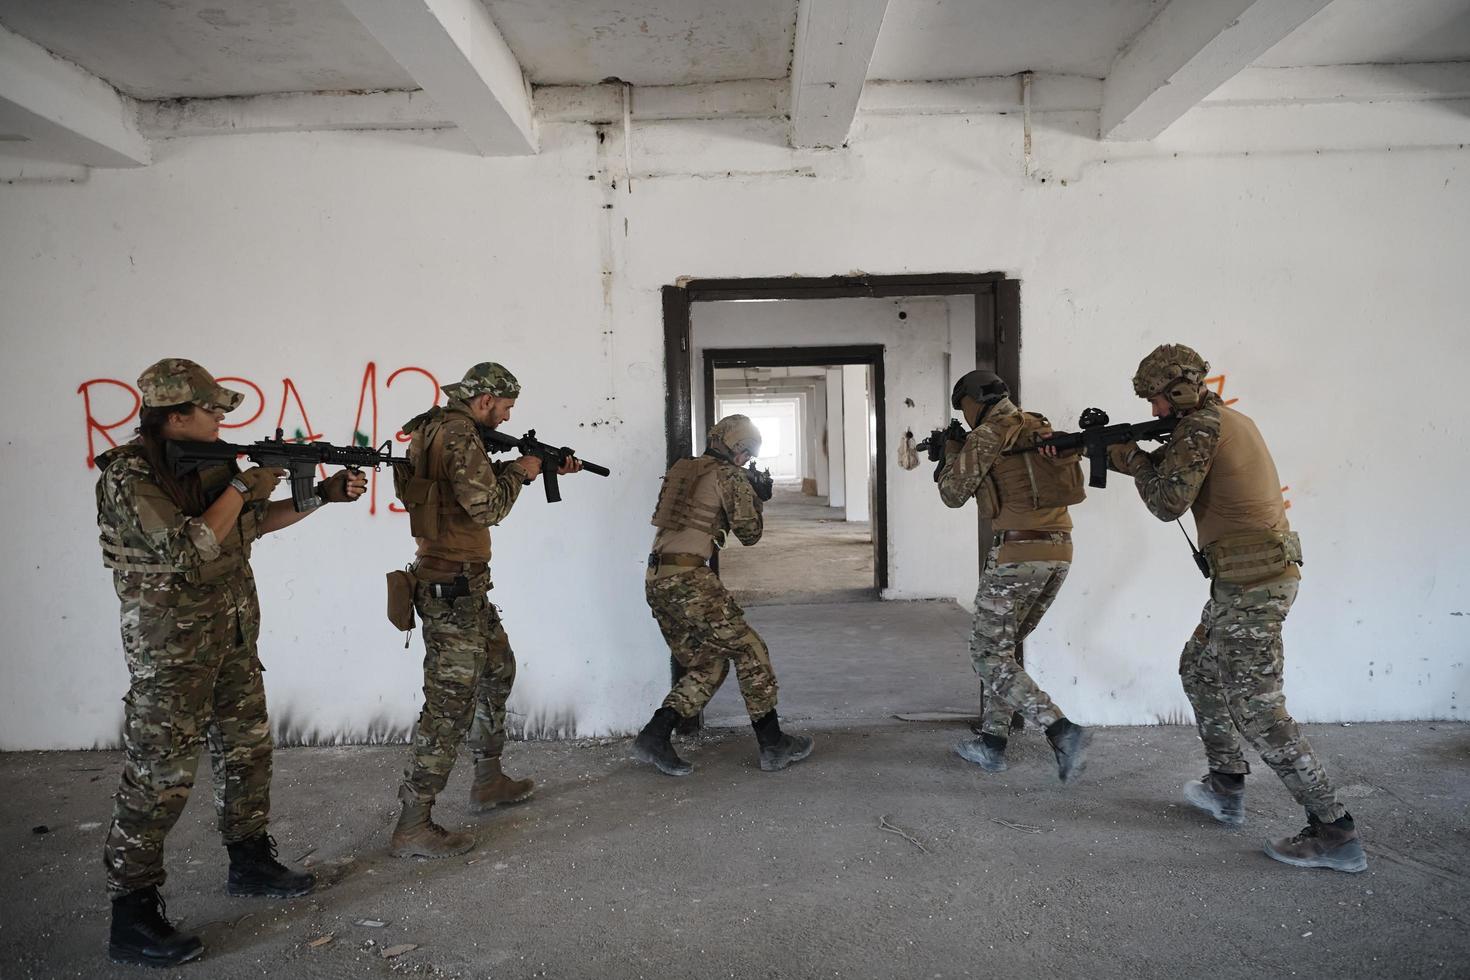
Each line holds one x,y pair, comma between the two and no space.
689,499
435,517
234,549
1239,511
1029,481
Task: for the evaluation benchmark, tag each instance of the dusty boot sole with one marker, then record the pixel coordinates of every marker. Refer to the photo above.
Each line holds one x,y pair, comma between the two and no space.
1076,763
966,751
1349,859
1197,796
130,958
266,891
772,765
487,807
412,851
643,755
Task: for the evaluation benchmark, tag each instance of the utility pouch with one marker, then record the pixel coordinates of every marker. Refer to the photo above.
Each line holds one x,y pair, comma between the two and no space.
421,499
1240,559
400,599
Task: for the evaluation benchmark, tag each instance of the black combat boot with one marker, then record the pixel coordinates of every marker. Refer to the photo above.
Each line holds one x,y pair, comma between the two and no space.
1323,845
652,744
142,934
1069,742
988,752
254,870
1220,794
779,750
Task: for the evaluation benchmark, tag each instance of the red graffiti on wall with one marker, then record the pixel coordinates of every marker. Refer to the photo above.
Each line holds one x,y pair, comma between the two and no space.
92,392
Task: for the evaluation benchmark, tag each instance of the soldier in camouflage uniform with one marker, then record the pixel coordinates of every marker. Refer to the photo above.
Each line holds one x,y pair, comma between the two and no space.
454,493
702,502
179,550
1217,465
1026,499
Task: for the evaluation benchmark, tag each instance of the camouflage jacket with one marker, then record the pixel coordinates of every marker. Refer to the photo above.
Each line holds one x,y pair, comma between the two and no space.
742,507
962,474
1169,478
486,490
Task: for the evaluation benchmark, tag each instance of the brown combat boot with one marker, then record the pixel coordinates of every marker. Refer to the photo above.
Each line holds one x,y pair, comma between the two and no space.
1322,845
493,788
419,836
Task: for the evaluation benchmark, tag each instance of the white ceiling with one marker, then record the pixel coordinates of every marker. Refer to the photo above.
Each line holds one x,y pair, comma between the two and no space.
1357,32
648,42
162,49
944,39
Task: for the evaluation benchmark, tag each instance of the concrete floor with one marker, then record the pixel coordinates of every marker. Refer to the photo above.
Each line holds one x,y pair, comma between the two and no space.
808,553
615,871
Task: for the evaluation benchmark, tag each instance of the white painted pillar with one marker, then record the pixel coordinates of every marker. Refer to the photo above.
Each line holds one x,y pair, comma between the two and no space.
820,464
836,472
855,439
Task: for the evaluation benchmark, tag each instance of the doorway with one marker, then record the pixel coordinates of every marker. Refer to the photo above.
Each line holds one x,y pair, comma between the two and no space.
821,413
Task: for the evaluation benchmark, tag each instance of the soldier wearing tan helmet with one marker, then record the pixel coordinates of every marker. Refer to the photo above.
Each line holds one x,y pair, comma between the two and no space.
179,550
454,493
1217,465
702,502
1025,497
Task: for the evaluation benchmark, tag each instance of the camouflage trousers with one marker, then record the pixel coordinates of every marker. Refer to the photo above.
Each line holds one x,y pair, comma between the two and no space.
1231,668
195,680
1012,598
469,669
706,632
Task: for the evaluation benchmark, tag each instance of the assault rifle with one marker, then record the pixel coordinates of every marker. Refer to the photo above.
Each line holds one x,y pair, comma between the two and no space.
1096,436
300,459
552,458
760,481
934,445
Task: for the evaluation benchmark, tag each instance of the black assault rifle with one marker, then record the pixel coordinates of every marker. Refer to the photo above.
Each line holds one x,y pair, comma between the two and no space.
552,458
300,459
1096,436
934,445
760,481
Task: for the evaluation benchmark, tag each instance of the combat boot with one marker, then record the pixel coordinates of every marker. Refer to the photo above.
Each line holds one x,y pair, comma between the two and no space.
779,750
493,788
652,744
988,752
1221,795
1322,845
142,934
1069,743
254,870
419,836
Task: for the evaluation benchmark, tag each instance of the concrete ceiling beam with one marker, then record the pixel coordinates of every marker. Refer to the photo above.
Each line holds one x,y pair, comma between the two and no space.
1435,82
1187,51
300,112
834,46
72,116
457,55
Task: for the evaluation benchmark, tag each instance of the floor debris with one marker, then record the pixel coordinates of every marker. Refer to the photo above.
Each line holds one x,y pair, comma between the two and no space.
398,950
884,825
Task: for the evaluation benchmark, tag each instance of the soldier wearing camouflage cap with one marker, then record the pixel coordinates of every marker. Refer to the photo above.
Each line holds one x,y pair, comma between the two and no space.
703,501
1216,465
1026,500
453,493
179,550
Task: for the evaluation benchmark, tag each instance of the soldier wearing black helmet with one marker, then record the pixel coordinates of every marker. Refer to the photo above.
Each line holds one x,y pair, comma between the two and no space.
1026,497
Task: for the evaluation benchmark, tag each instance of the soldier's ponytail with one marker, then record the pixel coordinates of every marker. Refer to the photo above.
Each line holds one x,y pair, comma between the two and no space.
185,491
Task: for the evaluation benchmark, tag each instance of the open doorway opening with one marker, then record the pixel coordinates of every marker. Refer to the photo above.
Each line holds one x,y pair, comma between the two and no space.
823,444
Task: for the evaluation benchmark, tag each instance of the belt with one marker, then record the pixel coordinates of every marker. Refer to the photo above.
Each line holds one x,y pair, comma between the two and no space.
655,560
1032,535
445,565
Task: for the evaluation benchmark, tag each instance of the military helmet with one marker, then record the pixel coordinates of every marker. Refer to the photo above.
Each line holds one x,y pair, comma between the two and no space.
1174,371
176,380
986,387
737,433
485,378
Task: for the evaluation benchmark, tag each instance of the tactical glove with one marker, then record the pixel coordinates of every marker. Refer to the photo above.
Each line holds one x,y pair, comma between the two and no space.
260,482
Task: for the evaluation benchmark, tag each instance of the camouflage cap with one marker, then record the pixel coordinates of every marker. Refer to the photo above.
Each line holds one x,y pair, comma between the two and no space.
485,378
176,380
736,433
1165,365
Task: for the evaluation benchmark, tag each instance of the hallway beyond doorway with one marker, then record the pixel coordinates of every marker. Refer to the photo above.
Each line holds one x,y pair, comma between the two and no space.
809,553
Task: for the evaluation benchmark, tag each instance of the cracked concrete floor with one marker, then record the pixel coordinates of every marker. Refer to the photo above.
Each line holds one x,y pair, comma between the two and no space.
615,871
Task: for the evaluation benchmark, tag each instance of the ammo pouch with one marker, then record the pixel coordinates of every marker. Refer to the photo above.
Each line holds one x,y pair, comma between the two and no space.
400,599
1254,556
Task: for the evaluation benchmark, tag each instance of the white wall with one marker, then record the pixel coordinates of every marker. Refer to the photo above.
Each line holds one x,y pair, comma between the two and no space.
1325,286
855,410
836,460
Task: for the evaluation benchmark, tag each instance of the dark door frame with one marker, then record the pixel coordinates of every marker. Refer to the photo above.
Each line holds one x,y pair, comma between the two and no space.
869,354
